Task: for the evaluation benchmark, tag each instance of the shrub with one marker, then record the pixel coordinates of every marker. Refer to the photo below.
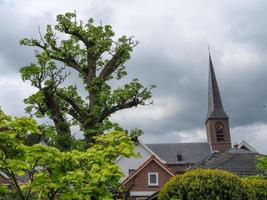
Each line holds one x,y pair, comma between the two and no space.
201,184
255,188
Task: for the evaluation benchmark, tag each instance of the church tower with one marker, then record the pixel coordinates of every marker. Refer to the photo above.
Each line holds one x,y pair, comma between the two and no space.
217,123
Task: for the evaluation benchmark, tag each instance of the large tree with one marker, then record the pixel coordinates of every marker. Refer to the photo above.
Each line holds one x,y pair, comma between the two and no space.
98,57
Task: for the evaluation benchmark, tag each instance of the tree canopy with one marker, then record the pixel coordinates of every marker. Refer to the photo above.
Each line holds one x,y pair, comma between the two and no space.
43,172
98,57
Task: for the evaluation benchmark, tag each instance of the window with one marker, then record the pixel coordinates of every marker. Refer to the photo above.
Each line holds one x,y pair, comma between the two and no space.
219,132
220,136
153,179
179,157
141,198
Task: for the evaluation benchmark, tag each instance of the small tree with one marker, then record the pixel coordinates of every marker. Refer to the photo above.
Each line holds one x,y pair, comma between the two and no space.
99,58
54,174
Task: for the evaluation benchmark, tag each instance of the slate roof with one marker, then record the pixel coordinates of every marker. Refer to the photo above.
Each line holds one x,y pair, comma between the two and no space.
191,152
238,161
215,106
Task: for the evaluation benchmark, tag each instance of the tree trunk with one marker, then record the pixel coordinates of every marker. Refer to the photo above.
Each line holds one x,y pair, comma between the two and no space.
62,126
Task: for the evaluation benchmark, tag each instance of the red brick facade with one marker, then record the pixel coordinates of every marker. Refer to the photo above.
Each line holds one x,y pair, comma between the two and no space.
138,182
211,134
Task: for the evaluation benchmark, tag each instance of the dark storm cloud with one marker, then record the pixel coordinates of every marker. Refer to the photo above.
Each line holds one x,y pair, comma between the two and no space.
172,54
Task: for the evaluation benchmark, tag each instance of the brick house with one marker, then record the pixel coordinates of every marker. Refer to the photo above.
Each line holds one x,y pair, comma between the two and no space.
147,179
161,161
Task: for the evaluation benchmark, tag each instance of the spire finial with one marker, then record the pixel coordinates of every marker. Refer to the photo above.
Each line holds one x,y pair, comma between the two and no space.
209,47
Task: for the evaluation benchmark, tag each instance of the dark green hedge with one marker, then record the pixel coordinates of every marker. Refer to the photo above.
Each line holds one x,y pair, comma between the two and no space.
201,184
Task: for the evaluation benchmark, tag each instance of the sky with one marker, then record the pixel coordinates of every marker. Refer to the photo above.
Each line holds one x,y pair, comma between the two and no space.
172,54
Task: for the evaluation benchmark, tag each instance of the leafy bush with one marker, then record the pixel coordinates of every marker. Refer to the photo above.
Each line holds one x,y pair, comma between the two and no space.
262,163
203,184
255,188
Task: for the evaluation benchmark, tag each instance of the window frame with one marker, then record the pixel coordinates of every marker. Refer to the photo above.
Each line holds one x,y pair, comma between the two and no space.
141,198
157,178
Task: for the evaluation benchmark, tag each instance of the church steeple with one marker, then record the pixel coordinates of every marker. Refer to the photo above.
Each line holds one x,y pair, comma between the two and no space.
217,123
215,106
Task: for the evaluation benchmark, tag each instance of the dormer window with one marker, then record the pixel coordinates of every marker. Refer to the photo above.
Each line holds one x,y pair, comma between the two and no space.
179,157
153,179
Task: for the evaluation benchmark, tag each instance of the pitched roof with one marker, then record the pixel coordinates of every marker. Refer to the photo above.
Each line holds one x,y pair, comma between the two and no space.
215,106
191,152
238,161
148,149
152,158
245,145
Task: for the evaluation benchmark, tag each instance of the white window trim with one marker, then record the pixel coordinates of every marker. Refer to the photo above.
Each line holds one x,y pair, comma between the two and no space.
141,198
141,193
157,178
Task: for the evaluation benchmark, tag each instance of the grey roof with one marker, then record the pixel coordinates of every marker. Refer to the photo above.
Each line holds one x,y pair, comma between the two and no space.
215,106
21,179
191,152
238,161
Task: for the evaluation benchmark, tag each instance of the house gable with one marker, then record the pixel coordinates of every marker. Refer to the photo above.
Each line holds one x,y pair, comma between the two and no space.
246,146
133,163
138,182
128,165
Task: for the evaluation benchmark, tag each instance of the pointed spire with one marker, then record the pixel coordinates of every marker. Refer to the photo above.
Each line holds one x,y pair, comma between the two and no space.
215,106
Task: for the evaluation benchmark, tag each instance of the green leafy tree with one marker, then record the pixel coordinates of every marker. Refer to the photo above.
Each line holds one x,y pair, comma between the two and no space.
12,153
54,174
99,58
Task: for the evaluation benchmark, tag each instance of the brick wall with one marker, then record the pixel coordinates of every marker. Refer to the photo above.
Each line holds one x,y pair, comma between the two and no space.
140,181
212,138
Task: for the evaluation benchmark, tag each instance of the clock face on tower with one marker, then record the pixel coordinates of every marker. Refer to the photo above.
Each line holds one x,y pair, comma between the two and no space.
219,126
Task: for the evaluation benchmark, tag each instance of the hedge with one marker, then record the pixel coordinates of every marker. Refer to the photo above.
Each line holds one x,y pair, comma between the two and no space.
203,184
255,188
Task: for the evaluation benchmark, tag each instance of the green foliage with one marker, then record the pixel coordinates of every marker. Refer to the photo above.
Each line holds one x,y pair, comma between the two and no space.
255,188
59,175
262,163
134,134
203,184
98,57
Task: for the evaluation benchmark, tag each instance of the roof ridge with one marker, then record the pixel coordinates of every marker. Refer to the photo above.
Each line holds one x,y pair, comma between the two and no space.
177,143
